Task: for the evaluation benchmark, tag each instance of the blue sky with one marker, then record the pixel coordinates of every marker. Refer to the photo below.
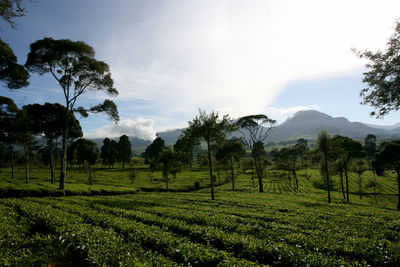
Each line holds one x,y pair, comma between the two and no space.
170,58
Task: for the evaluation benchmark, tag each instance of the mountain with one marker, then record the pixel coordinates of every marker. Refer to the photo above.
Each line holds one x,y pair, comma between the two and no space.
308,124
392,127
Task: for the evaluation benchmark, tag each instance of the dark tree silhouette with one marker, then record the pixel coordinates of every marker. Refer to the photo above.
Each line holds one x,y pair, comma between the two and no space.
73,66
186,144
323,144
229,154
170,161
346,149
213,130
286,159
8,131
87,151
124,150
49,119
383,77
388,158
257,128
11,9
153,151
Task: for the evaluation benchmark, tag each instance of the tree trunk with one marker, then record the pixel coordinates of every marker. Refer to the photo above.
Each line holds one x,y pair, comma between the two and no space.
52,169
232,176
328,186
210,165
341,183
259,172
90,175
63,174
398,189
347,182
123,164
295,178
26,164
12,162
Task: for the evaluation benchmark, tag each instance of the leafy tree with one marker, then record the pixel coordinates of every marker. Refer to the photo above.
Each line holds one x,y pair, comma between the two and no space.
11,73
323,144
257,128
186,144
49,120
105,152
11,9
8,131
383,77
370,146
153,151
229,154
124,150
286,159
360,167
87,151
73,66
301,147
388,158
346,149
170,161
211,129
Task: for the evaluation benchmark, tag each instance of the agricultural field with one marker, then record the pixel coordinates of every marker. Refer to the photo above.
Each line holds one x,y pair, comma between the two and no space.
189,229
116,223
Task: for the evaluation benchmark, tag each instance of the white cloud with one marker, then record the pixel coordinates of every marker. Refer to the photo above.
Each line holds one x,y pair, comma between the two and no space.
141,128
236,56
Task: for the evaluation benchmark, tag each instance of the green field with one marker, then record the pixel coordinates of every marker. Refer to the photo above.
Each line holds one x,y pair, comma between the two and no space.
281,227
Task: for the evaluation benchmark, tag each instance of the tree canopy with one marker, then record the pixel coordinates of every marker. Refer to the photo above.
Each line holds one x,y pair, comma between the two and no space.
383,77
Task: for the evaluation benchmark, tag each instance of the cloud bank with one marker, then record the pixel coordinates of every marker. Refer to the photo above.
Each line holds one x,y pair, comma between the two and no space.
141,128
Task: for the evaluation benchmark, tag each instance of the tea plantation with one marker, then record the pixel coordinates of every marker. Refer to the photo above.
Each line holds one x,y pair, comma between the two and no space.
283,226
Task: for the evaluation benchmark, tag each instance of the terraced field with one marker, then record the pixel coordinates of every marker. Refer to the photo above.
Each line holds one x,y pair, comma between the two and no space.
238,228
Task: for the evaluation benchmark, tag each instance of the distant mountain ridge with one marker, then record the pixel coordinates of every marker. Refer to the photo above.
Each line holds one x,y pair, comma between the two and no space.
303,124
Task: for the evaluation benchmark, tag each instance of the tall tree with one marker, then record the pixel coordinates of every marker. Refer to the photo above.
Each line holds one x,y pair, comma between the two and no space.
323,144
11,9
286,159
212,129
74,67
383,77
49,120
229,154
169,160
257,128
186,144
388,157
124,150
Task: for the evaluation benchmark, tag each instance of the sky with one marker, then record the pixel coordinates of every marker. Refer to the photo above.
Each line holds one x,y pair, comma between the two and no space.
237,57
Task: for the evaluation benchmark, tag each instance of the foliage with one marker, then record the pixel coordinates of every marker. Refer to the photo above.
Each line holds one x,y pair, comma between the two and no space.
11,9
11,73
257,128
213,130
73,66
124,150
383,77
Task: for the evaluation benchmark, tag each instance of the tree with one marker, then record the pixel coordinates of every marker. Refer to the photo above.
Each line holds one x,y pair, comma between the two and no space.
323,144
11,73
153,151
286,159
346,149
301,147
383,77
105,152
11,9
8,131
186,144
360,167
257,128
124,150
229,154
170,160
73,66
370,146
49,120
213,130
87,151
388,157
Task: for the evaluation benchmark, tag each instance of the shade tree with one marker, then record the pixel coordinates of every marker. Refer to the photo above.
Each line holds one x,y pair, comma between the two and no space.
212,129
255,130
124,150
74,67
